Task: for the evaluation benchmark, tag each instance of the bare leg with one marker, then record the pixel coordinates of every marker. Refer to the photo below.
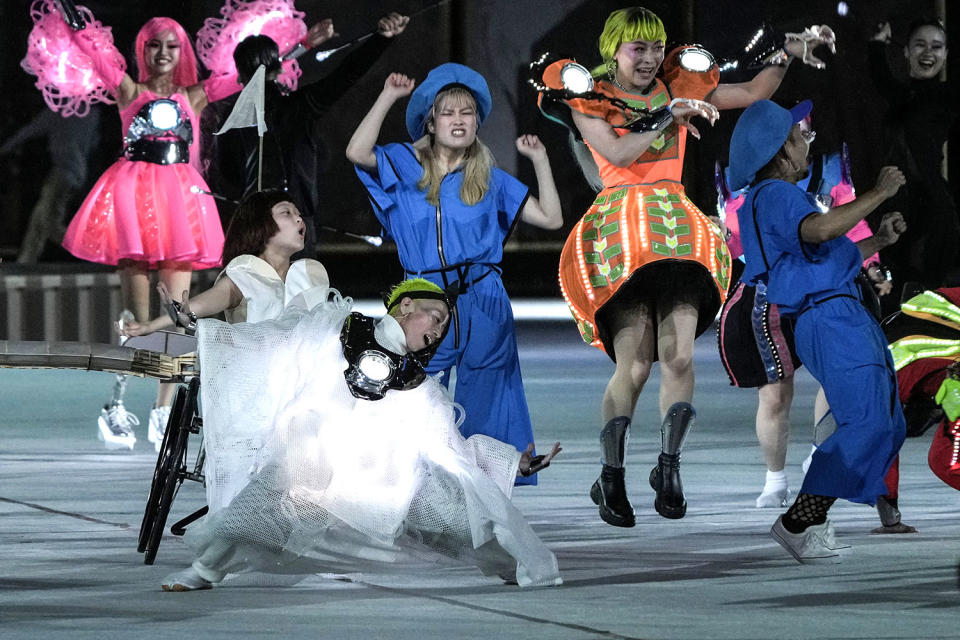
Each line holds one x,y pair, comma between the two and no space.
176,277
773,422
135,288
677,331
633,348
823,425
820,406
773,434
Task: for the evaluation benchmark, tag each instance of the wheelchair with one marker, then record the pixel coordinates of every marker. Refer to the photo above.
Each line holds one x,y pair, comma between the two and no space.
173,467
174,464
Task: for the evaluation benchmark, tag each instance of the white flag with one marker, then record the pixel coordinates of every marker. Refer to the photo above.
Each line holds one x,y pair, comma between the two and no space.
248,111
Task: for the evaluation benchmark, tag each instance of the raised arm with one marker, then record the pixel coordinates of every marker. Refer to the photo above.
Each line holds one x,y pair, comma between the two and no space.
839,220
360,148
219,86
740,95
883,79
321,95
762,86
107,61
545,211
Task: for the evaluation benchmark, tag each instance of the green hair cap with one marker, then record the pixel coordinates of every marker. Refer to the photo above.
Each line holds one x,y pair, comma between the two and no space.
413,286
628,25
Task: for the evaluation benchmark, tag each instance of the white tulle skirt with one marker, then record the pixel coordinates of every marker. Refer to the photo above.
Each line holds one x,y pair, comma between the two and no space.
302,477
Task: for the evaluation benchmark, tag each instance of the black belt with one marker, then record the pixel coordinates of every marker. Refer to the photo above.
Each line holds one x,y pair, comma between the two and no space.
158,151
822,300
462,270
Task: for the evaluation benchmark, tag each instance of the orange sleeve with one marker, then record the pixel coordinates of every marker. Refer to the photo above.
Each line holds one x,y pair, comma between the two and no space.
594,108
688,84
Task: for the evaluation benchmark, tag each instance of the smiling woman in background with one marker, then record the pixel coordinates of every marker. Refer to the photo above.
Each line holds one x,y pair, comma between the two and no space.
920,119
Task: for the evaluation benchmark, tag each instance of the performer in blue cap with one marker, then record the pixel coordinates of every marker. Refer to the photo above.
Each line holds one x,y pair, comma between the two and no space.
809,267
451,211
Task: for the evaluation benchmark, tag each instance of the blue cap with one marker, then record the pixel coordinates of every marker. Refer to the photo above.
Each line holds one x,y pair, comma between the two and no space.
760,133
437,80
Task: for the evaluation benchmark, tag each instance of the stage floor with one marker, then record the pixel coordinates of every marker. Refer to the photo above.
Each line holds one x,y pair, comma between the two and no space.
70,514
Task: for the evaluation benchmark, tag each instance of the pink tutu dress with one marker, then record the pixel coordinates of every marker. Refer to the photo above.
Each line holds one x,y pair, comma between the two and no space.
145,211
143,207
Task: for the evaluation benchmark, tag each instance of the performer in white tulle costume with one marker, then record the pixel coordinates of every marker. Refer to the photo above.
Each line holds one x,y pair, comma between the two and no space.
307,472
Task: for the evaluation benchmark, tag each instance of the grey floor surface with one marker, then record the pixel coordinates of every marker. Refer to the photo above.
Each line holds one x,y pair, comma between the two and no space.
70,512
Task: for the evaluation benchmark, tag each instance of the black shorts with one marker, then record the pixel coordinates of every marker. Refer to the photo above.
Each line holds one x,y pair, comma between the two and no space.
756,342
658,286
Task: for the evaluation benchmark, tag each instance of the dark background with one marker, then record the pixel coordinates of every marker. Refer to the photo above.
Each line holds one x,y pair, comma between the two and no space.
498,38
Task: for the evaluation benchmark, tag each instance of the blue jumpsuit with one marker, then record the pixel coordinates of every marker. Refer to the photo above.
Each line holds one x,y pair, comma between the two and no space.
456,242
836,338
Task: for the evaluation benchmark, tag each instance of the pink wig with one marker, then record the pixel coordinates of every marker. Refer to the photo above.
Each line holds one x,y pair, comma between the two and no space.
185,74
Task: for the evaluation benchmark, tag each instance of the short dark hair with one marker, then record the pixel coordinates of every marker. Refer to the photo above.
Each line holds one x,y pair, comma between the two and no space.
252,224
925,22
254,51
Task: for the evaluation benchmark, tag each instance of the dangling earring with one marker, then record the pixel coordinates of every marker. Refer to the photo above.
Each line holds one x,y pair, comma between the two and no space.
612,70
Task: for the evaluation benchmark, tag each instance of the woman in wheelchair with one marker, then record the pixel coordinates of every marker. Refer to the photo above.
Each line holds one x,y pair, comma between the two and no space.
259,279
330,450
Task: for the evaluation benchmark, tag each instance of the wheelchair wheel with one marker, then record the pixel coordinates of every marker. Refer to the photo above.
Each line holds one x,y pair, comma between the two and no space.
175,450
160,470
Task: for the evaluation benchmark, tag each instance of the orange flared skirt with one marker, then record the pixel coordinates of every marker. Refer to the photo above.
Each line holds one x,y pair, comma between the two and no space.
629,228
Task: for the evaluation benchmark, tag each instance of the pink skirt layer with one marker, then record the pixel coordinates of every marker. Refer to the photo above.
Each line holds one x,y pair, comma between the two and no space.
146,212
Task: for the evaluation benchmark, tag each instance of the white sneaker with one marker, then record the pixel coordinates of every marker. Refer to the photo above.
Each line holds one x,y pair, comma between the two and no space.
813,546
158,425
773,498
185,580
116,427
830,538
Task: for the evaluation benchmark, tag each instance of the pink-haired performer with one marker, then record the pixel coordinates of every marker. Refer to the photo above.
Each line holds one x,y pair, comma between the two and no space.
145,212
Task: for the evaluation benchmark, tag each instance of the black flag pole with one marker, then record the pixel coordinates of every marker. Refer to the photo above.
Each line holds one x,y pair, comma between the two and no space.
326,53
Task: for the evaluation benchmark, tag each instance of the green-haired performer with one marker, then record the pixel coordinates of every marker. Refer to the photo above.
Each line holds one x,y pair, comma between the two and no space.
329,449
644,272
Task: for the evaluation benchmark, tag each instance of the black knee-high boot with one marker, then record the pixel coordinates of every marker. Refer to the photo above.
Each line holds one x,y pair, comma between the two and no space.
665,477
609,491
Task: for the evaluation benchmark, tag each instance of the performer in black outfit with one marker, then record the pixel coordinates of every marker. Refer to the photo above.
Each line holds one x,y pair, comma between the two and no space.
293,145
920,118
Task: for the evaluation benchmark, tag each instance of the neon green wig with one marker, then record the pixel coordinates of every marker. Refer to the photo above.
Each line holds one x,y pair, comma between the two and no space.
411,286
627,25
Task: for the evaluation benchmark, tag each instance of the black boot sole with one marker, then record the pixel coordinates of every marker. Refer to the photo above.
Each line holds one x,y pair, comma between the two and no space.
606,514
673,512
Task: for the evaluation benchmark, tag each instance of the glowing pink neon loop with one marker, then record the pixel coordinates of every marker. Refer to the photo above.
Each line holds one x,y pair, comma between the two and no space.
277,19
66,76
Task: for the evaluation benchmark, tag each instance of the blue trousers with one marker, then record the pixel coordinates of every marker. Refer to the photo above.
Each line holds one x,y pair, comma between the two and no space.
846,351
482,345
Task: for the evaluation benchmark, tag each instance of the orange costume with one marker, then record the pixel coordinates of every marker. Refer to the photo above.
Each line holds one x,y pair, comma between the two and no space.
642,216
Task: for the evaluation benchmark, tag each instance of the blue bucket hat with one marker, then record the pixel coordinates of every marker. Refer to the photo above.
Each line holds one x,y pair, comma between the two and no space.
760,132
440,78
